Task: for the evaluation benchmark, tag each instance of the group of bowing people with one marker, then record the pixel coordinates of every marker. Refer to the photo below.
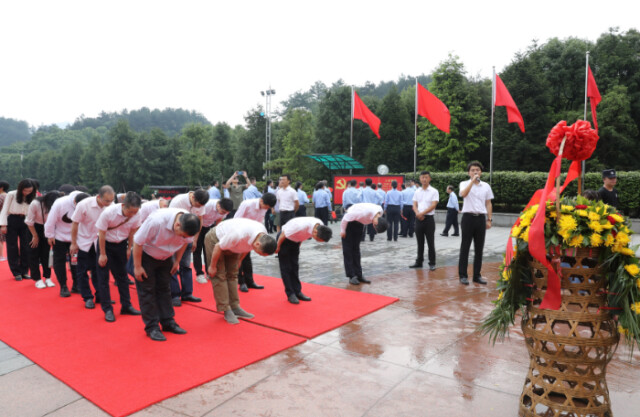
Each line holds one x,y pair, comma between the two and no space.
152,241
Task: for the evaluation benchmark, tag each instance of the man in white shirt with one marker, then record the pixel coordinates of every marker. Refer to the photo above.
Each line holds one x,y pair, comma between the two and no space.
182,290
214,211
83,240
116,226
425,200
291,237
225,246
253,209
150,206
164,234
351,230
57,229
287,200
477,214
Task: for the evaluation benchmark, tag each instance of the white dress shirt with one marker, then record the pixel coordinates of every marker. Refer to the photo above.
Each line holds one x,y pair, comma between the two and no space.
475,201
287,198
115,224
86,215
360,212
211,215
181,201
238,235
58,223
250,209
300,229
35,214
425,198
147,208
156,235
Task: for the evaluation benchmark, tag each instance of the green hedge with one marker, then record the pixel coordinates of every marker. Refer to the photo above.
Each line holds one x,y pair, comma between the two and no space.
513,189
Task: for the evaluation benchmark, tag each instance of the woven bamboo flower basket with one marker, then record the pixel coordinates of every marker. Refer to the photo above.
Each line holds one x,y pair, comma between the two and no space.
569,348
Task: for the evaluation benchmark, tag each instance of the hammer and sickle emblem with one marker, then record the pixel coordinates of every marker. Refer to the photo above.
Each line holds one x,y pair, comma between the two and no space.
341,184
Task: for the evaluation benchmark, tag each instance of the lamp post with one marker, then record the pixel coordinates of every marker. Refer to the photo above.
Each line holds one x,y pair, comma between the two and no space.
267,108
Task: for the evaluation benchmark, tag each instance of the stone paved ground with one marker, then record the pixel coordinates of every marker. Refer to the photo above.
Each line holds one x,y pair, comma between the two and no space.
418,357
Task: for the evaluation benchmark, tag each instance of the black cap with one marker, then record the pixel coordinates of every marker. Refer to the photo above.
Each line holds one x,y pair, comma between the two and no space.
609,173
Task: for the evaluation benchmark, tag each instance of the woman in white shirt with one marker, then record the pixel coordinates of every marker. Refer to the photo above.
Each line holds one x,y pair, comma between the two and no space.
39,253
4,187
12,224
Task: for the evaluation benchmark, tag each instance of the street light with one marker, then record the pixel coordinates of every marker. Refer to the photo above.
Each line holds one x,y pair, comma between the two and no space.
267,148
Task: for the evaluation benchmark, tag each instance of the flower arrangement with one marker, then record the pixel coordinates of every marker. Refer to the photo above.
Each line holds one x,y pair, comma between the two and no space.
582,224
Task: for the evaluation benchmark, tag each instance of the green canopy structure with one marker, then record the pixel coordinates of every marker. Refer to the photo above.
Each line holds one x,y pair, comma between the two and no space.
336,162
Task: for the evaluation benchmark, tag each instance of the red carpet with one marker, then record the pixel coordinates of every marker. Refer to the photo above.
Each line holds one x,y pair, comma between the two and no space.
328,309
114,365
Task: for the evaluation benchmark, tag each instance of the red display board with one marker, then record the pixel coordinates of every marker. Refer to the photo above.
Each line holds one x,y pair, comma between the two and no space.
340,183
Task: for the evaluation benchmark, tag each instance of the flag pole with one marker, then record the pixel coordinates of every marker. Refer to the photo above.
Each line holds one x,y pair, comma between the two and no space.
586,92
493,106
415,134
351,134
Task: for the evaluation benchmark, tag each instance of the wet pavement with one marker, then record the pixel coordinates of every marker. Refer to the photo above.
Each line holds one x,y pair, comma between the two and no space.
420,356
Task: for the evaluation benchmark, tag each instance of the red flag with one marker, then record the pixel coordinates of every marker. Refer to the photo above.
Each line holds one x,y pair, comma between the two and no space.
433,109
362,112
503,98
594,96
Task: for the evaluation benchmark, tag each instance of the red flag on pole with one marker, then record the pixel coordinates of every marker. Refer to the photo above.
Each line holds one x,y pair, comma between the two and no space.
594,96
362,112
433,109
503,98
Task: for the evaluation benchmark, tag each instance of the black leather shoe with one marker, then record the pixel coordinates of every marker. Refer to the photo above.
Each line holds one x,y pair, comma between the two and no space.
191,298
444,234
255,286
480,280
131,282
243,288
18,277
108,316
176,302
64,291
89,304
464,281
354,281
455,234
416,265
303,297
174,328
156,335
364,280
74,290
26,277
432,267
293,299
129,311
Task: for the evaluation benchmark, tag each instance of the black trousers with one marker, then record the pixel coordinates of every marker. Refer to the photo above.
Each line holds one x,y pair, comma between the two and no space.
87,262
474,227
39,255
302,211
452,220
393,220
268,223
154,293
351,249
426,228
60,253
289,267
408,225
116,263
184,286
197,255
245,273
322,213
18,238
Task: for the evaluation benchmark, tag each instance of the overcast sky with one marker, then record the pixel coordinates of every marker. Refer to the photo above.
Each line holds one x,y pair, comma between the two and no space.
62,58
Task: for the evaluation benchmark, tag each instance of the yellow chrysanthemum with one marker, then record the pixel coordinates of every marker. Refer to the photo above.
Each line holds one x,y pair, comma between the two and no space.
576,241
625,229
622,330
565,234
506,274
618,218
622,238
593,216
500,295
596,226
596,240
567,222
525,235
632,269
524,222
566,208
607,226
515,232
553,214
609,240
627,251
636,307
582,213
